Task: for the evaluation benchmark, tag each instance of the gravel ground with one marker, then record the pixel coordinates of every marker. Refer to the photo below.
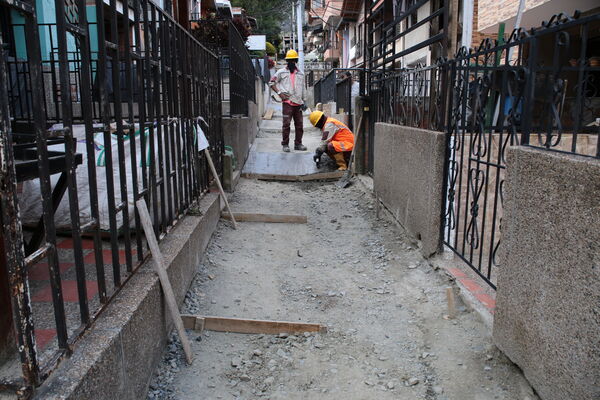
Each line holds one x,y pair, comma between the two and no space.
384,305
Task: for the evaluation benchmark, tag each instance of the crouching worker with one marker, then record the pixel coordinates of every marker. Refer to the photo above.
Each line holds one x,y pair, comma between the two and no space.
337,140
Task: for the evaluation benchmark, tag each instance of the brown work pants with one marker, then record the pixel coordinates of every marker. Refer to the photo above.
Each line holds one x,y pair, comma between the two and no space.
290,112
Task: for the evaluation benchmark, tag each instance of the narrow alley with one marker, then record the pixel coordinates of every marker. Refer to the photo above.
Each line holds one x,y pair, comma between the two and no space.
299,199
384,306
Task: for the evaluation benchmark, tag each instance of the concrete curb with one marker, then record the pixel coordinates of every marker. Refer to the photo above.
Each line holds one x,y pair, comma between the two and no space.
117,356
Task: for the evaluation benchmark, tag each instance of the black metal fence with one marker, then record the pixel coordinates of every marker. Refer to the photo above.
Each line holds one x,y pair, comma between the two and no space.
315,70
538,88
113,125
340,85
325,88
387,25
241,74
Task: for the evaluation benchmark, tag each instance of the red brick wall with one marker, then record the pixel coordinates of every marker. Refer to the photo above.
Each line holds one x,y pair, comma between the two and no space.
478,36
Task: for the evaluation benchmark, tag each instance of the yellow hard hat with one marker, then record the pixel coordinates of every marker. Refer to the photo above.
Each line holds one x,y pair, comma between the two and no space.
291,54
314,117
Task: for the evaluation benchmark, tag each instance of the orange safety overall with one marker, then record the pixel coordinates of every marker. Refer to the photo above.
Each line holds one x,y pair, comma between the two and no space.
338,136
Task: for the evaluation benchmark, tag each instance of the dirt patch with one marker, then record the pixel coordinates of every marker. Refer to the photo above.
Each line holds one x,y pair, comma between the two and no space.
363,278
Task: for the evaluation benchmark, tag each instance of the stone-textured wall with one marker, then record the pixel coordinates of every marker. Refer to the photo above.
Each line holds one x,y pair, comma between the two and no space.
408,178
547,317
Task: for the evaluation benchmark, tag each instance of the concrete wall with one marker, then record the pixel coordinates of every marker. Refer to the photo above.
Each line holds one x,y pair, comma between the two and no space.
240,132
117,357
408,177
547,316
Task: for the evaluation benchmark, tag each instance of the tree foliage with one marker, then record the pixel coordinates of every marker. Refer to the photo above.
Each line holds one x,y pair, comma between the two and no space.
269,14
271,50
214,33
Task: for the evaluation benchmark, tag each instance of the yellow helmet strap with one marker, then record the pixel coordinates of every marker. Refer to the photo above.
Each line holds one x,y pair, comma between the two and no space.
321,121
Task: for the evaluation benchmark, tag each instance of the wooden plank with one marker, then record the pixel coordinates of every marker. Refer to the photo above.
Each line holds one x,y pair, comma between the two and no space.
269,113
159,267
239,325
321,176
451,303
193,322
273,218
270,177
216,176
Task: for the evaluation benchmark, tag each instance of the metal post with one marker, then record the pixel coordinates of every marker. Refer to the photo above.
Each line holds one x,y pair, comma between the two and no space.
293,37
299,19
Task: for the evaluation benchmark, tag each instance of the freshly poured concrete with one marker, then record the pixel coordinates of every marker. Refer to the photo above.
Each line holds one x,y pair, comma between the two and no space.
267,158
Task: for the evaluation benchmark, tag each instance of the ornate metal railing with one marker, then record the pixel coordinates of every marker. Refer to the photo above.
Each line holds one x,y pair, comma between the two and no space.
538,88
108,147
411,97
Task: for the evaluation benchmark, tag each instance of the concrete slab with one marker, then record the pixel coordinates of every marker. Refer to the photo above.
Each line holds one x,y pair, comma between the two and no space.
267,158
297,163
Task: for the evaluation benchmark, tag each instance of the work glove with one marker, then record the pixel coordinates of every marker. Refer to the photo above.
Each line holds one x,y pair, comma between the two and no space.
303,107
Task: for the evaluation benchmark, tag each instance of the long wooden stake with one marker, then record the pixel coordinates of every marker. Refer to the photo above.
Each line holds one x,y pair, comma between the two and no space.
240,325
451,304
216,175
159,267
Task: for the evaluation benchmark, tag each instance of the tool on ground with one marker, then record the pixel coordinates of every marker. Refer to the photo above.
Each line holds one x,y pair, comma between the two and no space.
346,179
159,267
317,157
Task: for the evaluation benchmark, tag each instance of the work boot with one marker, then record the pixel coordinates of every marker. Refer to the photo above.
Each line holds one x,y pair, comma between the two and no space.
340,161
300,147
286,148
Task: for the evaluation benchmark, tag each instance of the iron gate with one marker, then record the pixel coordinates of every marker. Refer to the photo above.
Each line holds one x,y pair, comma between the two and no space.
388,22
540,89
133,110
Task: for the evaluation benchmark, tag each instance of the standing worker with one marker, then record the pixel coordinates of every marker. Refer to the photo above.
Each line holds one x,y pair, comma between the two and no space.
288,83
337,140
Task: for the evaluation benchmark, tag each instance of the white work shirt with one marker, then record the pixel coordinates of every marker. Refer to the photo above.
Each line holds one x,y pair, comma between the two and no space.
283,80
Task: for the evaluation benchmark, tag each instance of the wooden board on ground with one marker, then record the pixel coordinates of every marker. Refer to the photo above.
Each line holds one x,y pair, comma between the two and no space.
274,218
239,325
319,176
269,113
